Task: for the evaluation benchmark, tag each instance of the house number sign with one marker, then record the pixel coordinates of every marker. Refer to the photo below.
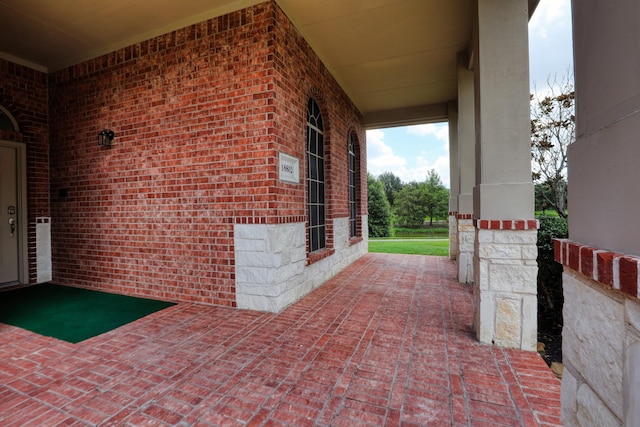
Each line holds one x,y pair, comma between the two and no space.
289,169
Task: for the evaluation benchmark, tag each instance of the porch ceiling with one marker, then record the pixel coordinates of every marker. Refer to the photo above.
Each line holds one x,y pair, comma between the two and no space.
396,59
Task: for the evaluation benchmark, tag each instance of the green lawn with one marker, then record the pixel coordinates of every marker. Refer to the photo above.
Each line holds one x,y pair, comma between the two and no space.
434,247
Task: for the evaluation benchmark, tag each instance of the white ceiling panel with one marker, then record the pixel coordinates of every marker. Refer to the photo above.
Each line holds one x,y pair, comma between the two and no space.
386,54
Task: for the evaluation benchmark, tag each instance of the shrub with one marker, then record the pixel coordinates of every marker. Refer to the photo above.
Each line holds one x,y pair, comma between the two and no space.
379,211
550,297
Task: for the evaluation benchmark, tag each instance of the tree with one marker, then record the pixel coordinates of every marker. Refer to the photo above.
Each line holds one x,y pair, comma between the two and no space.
552,130
411,207
392,184
379,211
437,197
416,201
542,193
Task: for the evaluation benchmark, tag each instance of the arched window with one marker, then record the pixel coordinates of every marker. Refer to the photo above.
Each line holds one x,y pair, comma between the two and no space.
315,178
7,122
353,187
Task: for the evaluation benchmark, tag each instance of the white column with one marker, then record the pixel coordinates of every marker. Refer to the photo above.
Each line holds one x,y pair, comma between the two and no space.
466,162
454,179
44,271
505,267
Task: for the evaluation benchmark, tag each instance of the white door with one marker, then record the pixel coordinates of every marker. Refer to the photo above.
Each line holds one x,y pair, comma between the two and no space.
9,236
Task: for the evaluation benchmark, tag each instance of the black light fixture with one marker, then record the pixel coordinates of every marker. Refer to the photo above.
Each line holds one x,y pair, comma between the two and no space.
105,137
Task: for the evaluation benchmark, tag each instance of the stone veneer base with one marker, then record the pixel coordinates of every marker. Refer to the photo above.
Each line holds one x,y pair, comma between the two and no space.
505,283
466,244
602,320
453,236
272,268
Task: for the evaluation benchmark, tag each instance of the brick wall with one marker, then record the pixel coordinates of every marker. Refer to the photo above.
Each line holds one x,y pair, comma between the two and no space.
200,115
23,92
299,74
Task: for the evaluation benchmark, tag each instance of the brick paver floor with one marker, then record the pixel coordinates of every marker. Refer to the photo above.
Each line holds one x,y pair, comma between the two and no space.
386,342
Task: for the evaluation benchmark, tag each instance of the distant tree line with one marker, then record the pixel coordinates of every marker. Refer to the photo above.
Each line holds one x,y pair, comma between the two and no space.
393,202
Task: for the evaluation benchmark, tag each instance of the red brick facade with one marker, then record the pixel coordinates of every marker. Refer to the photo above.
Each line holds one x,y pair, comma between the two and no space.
200,116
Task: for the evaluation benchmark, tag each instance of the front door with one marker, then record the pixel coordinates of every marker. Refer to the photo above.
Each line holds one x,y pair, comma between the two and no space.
9,236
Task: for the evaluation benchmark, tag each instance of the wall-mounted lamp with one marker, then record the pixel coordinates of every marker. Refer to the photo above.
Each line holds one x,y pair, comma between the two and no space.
105,137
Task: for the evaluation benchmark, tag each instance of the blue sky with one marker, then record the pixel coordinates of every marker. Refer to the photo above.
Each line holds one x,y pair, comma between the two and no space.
410,152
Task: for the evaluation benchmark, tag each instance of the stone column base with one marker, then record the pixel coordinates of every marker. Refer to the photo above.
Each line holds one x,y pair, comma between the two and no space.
505,283
453,236
466,246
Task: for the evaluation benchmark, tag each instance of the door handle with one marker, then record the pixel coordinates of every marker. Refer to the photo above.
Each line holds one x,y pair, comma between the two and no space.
12,224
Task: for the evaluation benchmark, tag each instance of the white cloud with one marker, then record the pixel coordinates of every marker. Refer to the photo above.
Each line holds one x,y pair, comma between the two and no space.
381,158
439,130
549,14
550,45
423,166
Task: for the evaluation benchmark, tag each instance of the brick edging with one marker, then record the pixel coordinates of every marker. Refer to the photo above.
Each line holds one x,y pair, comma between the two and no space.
611,269
464,216
506,224
319,255
355,240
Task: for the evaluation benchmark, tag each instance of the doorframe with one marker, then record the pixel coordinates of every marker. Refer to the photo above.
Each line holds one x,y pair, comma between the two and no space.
21,190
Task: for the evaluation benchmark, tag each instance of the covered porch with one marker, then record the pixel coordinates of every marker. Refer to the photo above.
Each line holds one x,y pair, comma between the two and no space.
174,201
388,341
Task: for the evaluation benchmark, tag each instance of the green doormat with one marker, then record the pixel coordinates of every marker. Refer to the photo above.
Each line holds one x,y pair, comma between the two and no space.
71,314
